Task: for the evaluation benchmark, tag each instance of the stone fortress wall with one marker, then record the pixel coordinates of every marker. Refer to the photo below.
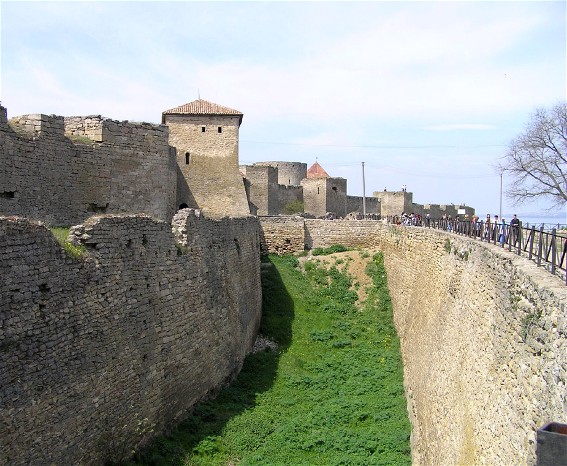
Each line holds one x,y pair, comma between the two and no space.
394,203
483,335
149,322
272,186
63,170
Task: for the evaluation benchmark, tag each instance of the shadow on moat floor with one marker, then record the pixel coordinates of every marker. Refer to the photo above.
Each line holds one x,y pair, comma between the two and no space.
257,376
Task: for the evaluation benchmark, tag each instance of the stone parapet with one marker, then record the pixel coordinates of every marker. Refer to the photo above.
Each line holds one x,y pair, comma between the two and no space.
100,129
36,125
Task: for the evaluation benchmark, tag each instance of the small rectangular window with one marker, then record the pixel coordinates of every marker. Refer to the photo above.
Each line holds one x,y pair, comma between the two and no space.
202,129
220,129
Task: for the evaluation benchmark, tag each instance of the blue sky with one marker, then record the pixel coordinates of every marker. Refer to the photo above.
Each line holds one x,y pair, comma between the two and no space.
426,94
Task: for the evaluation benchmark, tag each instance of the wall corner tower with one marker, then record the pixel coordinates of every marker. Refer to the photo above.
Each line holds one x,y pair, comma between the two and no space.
205,136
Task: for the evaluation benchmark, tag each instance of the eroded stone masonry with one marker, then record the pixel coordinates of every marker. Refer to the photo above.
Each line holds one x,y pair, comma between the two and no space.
149,322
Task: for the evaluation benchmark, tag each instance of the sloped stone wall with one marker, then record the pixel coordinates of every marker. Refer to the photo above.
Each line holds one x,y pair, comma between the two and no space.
483,335
139,329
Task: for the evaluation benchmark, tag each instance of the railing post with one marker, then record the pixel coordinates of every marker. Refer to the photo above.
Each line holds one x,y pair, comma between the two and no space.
519,237
532,236
553,250
540,246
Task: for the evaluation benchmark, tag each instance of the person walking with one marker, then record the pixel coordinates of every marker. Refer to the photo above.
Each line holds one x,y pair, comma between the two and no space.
487,228
515,226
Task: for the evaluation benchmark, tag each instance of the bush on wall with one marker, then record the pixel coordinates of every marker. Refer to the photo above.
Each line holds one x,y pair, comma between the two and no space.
293,207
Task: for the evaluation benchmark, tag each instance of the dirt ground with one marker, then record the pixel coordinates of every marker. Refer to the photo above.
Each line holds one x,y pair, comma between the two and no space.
355,263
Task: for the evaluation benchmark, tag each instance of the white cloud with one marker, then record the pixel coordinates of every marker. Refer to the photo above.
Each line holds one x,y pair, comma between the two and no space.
460,126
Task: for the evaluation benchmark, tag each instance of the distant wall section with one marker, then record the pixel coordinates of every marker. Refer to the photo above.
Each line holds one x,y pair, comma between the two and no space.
289,173
63,170
322,195
355,204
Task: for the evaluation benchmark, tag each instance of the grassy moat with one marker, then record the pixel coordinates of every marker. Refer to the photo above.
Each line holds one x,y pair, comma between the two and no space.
331,394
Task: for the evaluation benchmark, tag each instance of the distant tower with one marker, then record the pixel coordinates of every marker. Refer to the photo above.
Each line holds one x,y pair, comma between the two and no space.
206,138
323,193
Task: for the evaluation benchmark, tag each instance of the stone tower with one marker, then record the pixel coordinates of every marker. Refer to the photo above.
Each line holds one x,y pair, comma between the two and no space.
206,138
323,193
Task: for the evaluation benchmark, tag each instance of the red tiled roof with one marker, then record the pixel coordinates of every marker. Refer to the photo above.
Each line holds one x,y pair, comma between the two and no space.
317,171
201,107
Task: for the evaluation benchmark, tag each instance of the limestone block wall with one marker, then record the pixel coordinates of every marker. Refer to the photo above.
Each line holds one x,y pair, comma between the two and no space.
262,189
322,195
483,335
337,196
438,210
287,194
394,202
314,196
149,322
63,170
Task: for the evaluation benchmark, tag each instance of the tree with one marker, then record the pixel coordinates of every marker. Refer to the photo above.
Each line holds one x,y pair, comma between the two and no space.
536,160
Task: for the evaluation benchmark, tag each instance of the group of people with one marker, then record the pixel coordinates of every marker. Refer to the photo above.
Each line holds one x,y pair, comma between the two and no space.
409,219
499,230
491,229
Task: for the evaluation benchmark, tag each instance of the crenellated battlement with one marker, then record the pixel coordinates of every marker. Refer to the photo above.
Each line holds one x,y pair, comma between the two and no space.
38,125
105,130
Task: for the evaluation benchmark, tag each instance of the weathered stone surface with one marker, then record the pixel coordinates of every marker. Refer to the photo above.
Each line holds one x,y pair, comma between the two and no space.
142,327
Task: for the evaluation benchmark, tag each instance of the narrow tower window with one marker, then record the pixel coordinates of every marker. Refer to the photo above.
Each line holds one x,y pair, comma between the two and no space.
202,129
187,158
317,189
219,129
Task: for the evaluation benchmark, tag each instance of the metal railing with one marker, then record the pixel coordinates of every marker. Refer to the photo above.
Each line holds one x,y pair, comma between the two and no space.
546,248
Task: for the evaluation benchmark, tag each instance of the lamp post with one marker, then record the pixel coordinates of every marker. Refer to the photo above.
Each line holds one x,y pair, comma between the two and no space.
363,193
500,213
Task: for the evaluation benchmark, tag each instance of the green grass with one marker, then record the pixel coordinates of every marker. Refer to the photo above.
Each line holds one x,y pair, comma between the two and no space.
330,250
332,395
72,250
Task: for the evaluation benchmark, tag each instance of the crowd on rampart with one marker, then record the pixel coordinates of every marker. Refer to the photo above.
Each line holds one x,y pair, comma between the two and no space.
546,247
